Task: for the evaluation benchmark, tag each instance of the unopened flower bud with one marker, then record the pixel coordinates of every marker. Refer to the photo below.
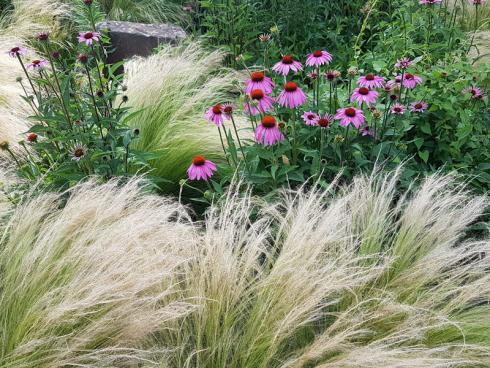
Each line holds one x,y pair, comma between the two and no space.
339,138
125,98
18,79
352,71
43,36
376,114
136,132
4,145
56,55
83,58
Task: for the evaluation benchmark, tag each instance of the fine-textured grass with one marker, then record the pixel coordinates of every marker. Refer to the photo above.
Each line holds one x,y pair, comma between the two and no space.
174,88
356,277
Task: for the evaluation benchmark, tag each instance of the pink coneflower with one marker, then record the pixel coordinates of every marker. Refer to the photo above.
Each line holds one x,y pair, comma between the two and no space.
332,75
476,93
201,169
429,2
31,137
411,81
228,109
267,133
291,96
313,75
366,131
78,152
258,80
394,83
17,51
398,109
88,37
371,81
286,65
38,64
476,2
364,95
318,58
259,102
350,115
310,118
215,115
418,106
325,120
403,63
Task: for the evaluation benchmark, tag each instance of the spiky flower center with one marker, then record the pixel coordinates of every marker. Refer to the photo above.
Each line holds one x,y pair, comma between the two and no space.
257,94
32,137
323,122
198,160
370,77
350,112
287,59
217,109
310,116
318,54
418,105
408,76
36,62
15,50
228,109
363,91
79,152
88,35
291,87
268,122
330,76
257,76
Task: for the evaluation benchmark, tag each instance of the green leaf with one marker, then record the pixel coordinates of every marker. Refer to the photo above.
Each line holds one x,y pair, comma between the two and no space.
424,155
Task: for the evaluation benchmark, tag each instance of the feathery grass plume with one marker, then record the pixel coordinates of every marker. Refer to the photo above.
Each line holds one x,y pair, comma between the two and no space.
174,88
357,279
86,281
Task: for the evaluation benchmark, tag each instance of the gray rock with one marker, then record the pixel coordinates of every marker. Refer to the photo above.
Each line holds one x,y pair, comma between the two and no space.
129,39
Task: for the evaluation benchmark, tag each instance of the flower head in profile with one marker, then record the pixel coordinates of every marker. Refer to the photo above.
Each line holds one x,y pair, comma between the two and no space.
286,65
258,80
403,63
201,169
88,37
318,58
350,115
393,84
259,102
429,2
410,81
78,152
43,36
364,95
267,132
215,115
418,106
228,109
37,64
365,131
371,81
310,118
476,2
332,75
398,109
291,96
17,51
325,121
475,92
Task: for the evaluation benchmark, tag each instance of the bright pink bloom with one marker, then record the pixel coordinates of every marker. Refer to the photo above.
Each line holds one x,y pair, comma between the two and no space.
286,65
267,133
310,118
259,102
476,2
403,63
201,169
38,64
227,109
258,80
291,96
318,58
325,121
332,75
215,115
398,109
429,2
17,51
371,81
411,81
418,106
476,93
366,131
350,115
88,37
364,95
394,83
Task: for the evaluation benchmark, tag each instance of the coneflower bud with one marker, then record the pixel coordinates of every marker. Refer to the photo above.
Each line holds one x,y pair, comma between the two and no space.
312,75
88,2
125,98
18,79
83,58
100,94
56,55
339,138
136,132
4,145
124,88
376,114
43,36
352,71
393,97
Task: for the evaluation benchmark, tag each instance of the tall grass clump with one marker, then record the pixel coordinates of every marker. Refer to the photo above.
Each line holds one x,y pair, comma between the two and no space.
358,276
172,89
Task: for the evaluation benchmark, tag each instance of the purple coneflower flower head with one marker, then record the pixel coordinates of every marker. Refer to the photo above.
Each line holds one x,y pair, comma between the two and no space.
364,95
319,58
410,81
258,80
38,64
350,115
325,121
286,65
43,36
371,81
403,63
366,131
332,75
79,152
313,75
476,2
17,51
476,93
201,169
393,84
418,106
429,2
310,118
267,132
88,37
398,109
291,96
259,102
215,115
228,109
